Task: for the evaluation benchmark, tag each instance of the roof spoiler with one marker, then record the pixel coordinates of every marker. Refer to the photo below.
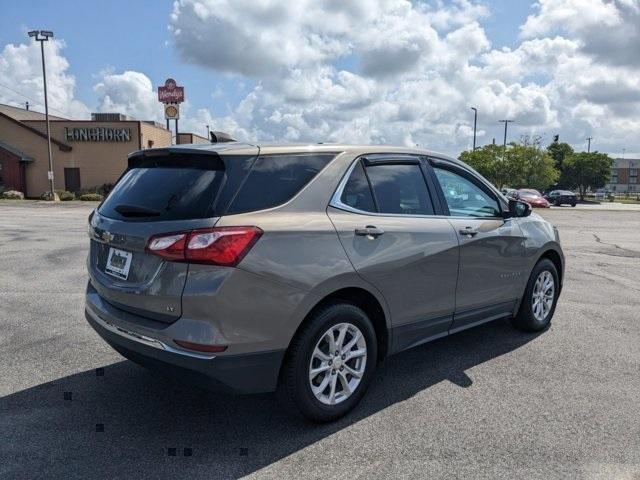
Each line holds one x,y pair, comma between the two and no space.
219,137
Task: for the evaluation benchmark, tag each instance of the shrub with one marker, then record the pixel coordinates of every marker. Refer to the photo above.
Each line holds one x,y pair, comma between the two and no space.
105,188
13,195
91,197
66,196
47,196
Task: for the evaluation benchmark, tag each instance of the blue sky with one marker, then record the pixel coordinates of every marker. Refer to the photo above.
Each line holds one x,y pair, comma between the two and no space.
133,35
370,71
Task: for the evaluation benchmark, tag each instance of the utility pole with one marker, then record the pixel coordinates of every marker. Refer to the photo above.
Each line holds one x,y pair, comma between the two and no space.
475,123
504,145
589,144
43,36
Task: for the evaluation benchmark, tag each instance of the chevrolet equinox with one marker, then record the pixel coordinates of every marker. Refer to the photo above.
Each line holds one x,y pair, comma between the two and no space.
298,268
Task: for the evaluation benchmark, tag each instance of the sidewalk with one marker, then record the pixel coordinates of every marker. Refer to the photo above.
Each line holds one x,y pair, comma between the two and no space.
633,207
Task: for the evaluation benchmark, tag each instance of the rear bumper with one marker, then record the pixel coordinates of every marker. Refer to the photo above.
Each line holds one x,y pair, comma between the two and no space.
246,373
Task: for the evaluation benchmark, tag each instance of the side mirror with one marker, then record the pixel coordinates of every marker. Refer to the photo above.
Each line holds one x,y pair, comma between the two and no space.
518,208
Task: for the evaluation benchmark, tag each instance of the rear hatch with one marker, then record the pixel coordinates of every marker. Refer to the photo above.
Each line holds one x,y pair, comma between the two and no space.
162,191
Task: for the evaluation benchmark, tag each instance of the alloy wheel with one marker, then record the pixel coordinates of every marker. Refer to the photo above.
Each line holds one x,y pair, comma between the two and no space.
543,295
337,363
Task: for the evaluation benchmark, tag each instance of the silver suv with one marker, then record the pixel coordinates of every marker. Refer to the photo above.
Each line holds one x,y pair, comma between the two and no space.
298,268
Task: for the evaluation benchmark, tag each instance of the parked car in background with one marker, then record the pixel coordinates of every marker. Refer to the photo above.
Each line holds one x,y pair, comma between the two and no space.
561,197
299,268
532,197
509,192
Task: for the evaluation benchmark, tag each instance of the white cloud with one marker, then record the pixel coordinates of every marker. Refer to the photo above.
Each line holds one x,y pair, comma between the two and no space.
608,30
396,71
131,93
409,72
382,71
21,77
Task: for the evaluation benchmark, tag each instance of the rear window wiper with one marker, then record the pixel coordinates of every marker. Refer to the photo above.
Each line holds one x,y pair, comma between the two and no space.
136,211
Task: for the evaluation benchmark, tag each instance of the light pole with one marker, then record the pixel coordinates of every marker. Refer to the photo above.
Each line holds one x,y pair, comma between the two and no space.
589,144
475,123
504,145
43,36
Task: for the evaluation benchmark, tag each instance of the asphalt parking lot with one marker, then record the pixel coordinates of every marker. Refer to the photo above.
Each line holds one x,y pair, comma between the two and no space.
487,403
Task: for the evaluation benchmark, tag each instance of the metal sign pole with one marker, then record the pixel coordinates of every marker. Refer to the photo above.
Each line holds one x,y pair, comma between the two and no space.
46,113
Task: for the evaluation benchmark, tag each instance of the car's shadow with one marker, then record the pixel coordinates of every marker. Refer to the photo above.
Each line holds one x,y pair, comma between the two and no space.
127,422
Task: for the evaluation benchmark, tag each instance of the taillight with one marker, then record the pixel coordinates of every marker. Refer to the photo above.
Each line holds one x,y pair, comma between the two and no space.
201,347
170,247
225,246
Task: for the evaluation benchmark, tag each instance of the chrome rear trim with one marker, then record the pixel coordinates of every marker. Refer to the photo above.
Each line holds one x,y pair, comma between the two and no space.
151,342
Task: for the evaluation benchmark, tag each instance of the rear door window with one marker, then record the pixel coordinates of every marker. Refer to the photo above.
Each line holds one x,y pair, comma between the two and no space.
357,193
276,179
400,189
176,187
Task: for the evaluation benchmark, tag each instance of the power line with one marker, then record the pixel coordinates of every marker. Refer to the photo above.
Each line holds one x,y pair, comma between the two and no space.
37,102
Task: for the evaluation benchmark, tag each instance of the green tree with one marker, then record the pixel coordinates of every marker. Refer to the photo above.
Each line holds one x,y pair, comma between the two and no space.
531,166
586,171
523,164
487,160
559,151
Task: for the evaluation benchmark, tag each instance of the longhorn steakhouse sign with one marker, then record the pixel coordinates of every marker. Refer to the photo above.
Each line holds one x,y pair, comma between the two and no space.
170,92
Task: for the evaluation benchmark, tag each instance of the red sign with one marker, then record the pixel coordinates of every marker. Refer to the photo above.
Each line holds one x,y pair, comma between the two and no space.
170,93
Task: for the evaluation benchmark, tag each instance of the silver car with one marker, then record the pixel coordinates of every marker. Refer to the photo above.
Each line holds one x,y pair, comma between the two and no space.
298,268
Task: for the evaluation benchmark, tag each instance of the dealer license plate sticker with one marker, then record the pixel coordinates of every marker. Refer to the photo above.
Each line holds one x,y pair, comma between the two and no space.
118,263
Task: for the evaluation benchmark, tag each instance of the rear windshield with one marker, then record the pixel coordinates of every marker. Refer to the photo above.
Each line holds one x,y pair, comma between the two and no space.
275,179
178,187
182,186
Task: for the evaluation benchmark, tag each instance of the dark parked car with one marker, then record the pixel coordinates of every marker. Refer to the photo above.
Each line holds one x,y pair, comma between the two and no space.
562,197
299,268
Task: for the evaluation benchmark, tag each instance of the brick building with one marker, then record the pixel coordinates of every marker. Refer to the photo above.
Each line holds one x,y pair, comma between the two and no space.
624,176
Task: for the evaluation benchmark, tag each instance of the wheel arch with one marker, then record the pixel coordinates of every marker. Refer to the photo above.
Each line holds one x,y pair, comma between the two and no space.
557,260
552,253
365,300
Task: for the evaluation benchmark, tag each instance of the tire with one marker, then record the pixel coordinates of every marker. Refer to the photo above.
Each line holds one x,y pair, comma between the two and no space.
573,204
295,385
558,203
528,318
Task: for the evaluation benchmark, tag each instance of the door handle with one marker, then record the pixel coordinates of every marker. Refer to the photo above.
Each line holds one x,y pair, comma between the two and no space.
469,231
369,231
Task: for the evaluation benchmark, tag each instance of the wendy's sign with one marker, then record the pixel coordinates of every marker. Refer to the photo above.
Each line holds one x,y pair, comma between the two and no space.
170,92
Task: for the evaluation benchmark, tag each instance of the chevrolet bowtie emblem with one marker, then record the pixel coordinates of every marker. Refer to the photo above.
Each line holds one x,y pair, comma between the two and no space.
107,237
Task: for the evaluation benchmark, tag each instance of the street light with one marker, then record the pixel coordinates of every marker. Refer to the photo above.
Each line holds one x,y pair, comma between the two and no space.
504,145
475,123
43,36
589,144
